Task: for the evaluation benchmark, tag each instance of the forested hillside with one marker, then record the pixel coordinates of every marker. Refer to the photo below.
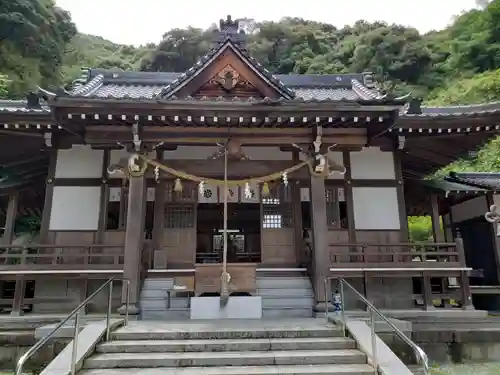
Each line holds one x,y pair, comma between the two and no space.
39,45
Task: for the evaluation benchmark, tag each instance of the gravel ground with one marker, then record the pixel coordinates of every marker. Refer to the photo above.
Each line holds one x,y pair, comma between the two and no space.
468,369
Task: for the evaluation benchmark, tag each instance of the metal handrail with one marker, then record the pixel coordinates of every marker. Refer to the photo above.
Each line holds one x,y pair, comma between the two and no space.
76,311
421,356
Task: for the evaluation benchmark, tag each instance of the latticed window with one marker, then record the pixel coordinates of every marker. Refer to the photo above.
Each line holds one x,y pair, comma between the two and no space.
180,206
180,216
336,211
277,208
189,193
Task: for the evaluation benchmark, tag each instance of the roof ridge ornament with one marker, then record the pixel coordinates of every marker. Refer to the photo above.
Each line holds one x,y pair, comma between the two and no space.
413,106
229,29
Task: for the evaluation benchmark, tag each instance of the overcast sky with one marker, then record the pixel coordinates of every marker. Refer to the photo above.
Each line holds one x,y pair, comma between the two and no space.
142,21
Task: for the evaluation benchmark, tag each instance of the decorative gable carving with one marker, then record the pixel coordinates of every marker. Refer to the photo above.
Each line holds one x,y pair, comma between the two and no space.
228,78
228,82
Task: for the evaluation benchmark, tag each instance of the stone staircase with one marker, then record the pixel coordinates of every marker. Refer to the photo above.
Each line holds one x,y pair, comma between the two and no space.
282,297
286,297
299,346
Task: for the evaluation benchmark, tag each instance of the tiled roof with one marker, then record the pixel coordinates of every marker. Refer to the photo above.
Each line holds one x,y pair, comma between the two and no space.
415,110
485,180
450,186
10,106
149,85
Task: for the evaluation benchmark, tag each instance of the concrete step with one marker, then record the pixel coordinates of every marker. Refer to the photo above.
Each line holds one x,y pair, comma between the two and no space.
268,358
237,370
283,283
295,312
168,315
287,302
204,330
287,293
236,345
161,303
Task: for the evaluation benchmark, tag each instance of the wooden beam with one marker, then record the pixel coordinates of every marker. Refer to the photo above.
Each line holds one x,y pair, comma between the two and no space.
248,136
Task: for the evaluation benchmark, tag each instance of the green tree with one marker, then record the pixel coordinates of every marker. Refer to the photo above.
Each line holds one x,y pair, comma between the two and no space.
4,87
33,37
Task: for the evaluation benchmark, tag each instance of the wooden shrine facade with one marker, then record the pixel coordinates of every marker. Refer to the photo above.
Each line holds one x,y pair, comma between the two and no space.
343,212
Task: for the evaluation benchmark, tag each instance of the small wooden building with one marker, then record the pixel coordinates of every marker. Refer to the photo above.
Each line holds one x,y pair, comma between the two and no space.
328,169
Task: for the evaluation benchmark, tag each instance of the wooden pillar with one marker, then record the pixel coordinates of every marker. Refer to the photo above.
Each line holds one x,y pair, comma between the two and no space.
438,236
10,218
437,232
464,276
8,237
495,236
159,253
134,239
297,217
49,195
320,261
403,215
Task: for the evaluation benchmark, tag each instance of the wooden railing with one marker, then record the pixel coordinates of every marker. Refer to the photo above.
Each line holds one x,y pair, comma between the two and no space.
216,257
34,256
397,254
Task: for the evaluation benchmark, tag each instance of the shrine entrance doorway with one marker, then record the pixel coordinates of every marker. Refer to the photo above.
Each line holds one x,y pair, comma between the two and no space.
244,233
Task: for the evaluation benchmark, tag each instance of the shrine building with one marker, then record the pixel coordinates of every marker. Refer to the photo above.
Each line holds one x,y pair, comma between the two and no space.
124,175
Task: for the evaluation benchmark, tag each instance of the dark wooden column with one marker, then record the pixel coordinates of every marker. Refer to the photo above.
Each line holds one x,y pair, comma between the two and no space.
159,256
437,233
8,237
495,235
10,218
134,239
320,261
464,276
297,216
403,215
438,236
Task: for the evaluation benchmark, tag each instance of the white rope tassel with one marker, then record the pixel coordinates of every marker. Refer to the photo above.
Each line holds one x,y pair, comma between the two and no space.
285,179
157,174
248,192
201,188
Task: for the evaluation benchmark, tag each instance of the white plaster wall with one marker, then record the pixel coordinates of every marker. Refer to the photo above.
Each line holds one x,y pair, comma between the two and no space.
75,208
79,162
372,164
469,209
376,208
206,152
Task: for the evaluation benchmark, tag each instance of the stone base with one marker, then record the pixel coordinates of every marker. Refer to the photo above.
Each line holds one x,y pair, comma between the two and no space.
322,306
236,308
133,309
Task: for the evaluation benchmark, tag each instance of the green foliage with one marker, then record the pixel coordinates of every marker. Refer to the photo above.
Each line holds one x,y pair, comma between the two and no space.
27,225
420,228
96,52
4,86
480,88
33,37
